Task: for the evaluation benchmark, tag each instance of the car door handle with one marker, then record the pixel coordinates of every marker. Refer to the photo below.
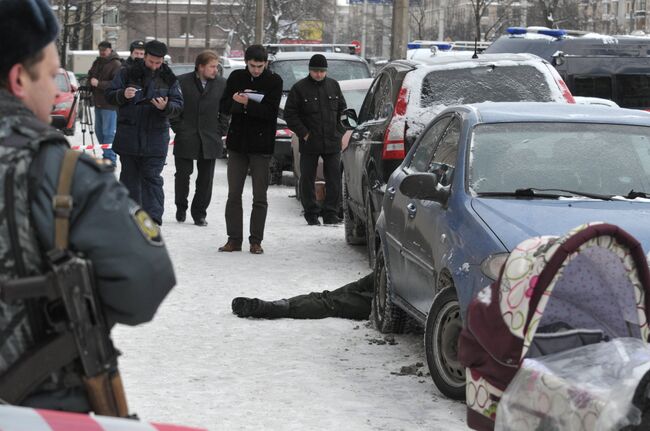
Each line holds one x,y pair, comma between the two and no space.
412,209
391,193
366,134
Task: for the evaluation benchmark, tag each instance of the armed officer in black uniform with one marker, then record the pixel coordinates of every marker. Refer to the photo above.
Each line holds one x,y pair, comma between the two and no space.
57,209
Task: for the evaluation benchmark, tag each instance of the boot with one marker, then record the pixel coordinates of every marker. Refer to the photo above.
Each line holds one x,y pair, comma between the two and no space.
254,307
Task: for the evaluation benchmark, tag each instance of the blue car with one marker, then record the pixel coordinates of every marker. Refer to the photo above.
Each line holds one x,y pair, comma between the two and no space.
479,180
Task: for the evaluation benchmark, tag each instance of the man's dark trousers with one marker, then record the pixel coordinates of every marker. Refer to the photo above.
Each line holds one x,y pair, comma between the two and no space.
203,185
332,173
141,176
352,301
238,166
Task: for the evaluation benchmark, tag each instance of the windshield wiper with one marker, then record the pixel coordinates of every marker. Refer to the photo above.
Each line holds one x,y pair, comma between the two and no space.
533,192
634,195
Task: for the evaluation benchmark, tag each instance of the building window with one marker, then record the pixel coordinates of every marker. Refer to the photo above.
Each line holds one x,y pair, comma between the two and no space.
111,16
184,27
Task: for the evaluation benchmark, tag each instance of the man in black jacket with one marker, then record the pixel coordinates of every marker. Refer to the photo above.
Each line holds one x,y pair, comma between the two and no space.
312,112
198,135
252,98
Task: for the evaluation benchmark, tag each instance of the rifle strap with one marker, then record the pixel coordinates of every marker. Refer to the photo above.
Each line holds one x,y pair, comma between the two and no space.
23,377
62,202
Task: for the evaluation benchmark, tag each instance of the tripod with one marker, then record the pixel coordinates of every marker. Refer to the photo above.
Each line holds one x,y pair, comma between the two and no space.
86,117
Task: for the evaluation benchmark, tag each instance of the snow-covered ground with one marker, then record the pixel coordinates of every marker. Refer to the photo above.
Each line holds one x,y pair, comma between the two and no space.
198,364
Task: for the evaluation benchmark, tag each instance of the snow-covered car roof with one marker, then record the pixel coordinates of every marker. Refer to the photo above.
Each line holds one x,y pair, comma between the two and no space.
306,55
419,116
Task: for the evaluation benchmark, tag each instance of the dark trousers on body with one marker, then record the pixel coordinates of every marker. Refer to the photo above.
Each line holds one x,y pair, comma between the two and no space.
203,185
332,173
352,301
238,166
141,176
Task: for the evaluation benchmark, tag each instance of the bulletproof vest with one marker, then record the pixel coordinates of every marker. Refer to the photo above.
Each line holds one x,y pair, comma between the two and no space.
20,253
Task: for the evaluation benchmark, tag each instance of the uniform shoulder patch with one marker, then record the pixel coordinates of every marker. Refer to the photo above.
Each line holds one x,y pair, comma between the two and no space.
147,227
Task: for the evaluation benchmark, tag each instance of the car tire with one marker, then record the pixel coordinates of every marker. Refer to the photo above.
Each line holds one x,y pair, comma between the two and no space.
275,171
71,130
441,344
384,314
370,233
354,233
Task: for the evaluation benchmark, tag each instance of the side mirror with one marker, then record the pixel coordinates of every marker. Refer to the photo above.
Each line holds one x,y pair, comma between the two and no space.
558,58
425,187
349,119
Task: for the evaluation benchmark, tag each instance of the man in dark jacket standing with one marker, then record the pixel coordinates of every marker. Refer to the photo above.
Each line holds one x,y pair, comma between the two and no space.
100,75
312,112
147,94
132,269
198,135
136,51
252,98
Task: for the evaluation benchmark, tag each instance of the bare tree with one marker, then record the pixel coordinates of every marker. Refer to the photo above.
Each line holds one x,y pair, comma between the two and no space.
281,18
417,13
554,13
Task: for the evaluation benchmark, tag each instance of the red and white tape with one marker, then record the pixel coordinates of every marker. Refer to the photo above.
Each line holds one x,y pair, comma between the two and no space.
14,418
102,146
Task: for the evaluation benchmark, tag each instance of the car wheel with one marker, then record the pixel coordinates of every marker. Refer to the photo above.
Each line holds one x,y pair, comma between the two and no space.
70,131
384,314
275,171
354,233
443,328
370,233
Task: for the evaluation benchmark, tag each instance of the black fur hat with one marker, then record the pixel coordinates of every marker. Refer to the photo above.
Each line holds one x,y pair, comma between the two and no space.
155,48
27,26
318,62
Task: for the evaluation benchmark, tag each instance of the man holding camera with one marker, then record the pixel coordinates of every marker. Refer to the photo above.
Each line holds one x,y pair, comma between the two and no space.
147,94
100,75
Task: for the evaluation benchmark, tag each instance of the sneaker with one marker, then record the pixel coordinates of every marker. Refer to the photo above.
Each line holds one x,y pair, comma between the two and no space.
256,248
230,246
312,221
180,216
331,219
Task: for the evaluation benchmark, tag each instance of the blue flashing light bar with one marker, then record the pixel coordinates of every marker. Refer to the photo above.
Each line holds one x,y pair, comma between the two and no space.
553,33
516,30
440,46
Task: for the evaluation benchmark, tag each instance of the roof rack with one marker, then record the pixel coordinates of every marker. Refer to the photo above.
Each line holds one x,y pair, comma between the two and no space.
274,48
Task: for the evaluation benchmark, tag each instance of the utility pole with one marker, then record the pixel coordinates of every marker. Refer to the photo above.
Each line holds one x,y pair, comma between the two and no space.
187,32
363,28
155,19
400,29
336,10
441,19
259,21
524,13
208,21
167,23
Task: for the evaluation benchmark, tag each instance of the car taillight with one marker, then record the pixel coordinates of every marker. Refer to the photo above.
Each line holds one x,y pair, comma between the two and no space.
568,97
395,133
282,133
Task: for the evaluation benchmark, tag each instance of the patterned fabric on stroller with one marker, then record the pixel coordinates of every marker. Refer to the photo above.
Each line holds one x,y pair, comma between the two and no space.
553,294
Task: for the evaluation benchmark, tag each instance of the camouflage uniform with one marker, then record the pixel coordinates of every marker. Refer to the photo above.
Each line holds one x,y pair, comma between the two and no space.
133,272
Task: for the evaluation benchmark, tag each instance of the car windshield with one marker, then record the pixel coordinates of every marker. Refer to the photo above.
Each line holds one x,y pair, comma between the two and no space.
603,159
292,71
62,83
485,83
354,98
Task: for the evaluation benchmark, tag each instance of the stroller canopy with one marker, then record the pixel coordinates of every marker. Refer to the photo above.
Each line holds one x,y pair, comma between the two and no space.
595,278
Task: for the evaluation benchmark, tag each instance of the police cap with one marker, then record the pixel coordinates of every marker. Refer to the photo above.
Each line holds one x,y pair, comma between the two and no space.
155,48
136,44
27,26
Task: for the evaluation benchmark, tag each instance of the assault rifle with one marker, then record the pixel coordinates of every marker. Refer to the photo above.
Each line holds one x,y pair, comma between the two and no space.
80,332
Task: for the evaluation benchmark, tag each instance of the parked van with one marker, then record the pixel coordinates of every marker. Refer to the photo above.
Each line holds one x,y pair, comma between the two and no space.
592,65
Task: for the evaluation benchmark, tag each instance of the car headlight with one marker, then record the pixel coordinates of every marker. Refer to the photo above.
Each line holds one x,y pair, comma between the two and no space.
61,106
491,265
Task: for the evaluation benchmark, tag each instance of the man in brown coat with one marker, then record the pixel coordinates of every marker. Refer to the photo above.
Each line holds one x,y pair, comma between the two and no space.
100,75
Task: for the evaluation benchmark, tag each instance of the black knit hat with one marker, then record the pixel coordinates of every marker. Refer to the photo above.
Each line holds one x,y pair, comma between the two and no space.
318,62
26,27
155,48
136,44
